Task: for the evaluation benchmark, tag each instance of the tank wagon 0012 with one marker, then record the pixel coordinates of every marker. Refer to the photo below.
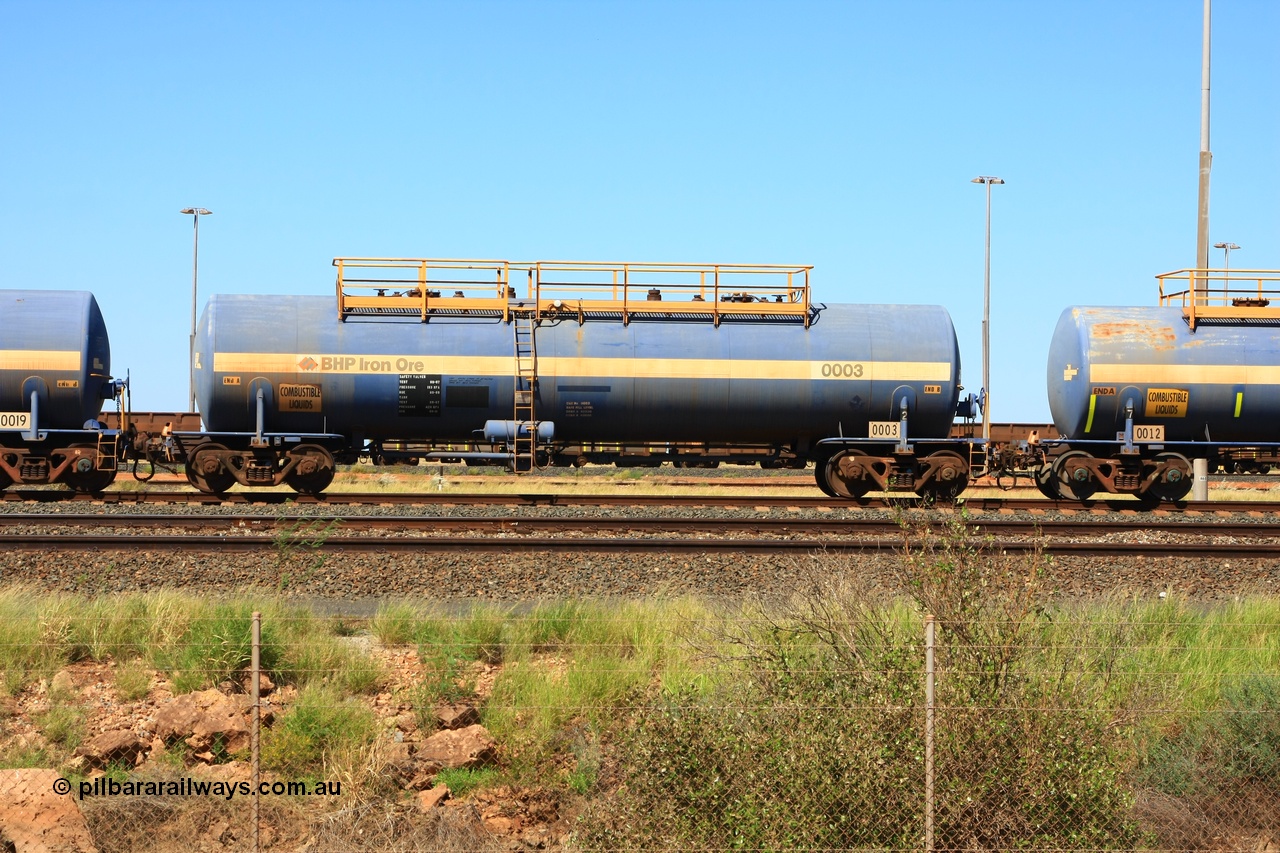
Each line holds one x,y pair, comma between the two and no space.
55,376
1138,392
442,358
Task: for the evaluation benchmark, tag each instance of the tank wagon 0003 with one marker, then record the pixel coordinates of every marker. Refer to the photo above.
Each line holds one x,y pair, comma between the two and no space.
442,358
1138,392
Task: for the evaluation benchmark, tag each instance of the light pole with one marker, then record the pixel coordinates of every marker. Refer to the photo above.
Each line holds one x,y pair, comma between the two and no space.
1226,253
986,318
195,214
1226,266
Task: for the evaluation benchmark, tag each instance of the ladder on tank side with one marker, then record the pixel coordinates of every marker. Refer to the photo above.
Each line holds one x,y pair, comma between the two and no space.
109,440
524,444
108,447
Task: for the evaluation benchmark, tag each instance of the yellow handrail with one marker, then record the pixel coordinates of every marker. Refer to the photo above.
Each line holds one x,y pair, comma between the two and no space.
420,285
1218,287
1222,293
424,285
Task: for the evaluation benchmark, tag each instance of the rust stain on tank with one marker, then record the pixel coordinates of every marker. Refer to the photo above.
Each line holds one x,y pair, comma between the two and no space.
1135,332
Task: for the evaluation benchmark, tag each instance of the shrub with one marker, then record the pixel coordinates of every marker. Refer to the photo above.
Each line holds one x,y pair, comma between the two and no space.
321,732
814,737
133,680
1235,744
1248,730
63,724
216,645
395,625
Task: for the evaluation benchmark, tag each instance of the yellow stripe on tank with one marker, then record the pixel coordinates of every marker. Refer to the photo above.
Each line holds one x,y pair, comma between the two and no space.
39,359
1184,374
621,368
273,362
1239,402
1093,404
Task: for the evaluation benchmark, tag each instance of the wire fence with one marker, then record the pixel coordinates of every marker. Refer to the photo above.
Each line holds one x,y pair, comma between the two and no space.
142,725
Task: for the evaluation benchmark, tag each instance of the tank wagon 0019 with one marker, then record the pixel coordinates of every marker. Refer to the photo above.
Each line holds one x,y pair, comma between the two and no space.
55,375
1138,392
442,358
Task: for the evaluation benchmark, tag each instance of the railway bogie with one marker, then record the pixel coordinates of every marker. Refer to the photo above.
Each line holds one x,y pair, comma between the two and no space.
1151,476
214,463
941,471
71,458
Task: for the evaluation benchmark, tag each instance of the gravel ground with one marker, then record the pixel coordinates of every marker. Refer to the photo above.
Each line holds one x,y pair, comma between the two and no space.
462,577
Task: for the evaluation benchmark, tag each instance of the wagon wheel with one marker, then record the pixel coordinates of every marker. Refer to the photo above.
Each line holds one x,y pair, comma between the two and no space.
1071,489
1147,500
205,470
84,474
314,469
950,479
1176,488
1046,482
820,477
838,485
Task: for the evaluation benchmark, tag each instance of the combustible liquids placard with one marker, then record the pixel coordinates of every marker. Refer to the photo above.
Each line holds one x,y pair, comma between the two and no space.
1167,402
300,398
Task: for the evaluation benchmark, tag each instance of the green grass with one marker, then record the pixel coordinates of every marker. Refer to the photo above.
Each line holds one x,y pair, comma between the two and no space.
133,680
567,666
62,724
1180,695
320,736
195,642
27,756
465,780
1173,645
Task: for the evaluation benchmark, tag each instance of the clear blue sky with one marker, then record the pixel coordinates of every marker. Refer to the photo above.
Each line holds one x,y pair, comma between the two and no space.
838,134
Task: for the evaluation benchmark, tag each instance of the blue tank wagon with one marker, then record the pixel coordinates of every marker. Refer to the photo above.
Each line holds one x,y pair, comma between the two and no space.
445,354
55,366
1136,393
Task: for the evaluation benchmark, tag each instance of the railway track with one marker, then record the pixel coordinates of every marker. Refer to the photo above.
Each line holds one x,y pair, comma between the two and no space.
529,525
657,546
13,498
653,536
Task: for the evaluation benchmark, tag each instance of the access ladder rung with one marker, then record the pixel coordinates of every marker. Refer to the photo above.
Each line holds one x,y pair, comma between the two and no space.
106,453
524,447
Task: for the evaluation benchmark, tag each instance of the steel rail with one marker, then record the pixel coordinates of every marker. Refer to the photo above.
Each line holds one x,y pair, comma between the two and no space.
529,525
337,499
533,545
